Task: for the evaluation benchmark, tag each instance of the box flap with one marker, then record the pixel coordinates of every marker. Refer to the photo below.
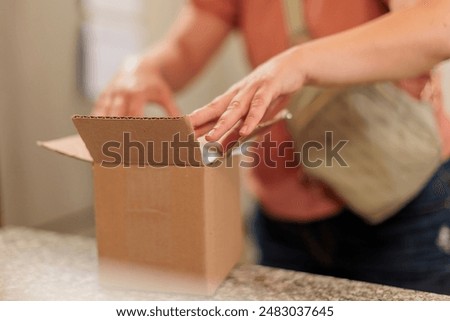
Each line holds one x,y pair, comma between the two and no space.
140,141
72,146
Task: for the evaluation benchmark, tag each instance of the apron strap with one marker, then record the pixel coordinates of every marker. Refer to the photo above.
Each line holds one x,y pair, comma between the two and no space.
305,104
294,13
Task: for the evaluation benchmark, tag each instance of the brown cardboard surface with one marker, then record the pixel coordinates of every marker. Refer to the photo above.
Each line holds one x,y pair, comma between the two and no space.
150,217
223,229
159,132
177,227
72,146
159,228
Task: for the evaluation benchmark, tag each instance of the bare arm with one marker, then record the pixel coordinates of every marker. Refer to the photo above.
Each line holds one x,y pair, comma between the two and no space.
168,66
190,43
398,45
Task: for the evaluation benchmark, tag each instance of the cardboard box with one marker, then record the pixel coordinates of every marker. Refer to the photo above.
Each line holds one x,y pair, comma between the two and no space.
164,220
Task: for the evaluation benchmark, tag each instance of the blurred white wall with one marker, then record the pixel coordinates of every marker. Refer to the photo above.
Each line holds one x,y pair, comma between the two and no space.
4,97
39,95
115,29
39,73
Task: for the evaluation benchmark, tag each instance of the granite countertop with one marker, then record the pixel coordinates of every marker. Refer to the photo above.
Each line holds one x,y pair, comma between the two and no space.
41,265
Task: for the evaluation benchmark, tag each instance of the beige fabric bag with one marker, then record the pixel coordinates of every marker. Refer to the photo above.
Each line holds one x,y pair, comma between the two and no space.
393,144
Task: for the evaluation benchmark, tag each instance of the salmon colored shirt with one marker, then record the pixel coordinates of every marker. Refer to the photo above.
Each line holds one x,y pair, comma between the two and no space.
287,193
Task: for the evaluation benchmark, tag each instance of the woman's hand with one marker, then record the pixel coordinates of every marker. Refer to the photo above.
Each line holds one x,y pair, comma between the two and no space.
135,85
256,97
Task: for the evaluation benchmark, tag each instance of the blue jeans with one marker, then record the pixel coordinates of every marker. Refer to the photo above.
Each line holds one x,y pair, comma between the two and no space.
410,250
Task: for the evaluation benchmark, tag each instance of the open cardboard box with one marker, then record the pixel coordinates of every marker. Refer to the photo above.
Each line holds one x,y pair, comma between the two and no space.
164,220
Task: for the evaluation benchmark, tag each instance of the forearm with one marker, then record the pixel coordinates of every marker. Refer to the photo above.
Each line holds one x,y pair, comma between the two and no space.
399,45
396,46
187,47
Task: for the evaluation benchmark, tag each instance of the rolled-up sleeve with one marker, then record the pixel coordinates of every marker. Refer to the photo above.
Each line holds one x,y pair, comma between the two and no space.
226,10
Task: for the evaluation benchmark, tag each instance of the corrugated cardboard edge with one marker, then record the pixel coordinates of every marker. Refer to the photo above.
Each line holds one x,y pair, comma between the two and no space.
72,146
75,147
99,131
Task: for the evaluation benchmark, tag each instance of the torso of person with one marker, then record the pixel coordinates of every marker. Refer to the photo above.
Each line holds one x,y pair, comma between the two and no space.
287,193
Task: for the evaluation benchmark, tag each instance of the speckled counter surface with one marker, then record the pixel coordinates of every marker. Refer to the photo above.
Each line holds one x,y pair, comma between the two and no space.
39,265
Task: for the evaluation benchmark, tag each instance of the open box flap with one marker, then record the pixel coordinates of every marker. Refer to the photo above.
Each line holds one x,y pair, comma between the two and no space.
72,146
104,139
140,140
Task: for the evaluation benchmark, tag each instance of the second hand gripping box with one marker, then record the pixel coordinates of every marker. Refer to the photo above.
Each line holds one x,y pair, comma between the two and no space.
164,220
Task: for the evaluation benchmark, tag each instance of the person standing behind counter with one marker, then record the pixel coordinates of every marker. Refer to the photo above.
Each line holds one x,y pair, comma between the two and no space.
401,251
